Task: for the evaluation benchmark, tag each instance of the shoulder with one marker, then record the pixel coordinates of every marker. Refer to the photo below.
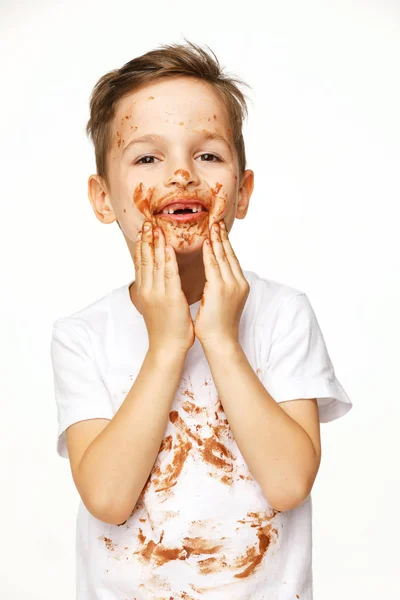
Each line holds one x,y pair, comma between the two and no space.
88,320
268,297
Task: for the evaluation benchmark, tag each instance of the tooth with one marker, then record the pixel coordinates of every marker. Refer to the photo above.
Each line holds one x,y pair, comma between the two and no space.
170,211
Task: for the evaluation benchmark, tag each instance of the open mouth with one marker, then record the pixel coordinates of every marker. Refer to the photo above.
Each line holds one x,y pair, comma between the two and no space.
194,213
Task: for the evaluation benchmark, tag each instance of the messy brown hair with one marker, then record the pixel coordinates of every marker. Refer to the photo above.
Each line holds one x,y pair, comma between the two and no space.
168,60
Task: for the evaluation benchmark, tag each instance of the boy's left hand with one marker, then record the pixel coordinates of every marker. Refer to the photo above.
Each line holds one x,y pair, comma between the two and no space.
225,292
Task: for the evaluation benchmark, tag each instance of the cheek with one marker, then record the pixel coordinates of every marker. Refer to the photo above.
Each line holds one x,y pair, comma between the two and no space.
224,198
135,201
130,200
142,199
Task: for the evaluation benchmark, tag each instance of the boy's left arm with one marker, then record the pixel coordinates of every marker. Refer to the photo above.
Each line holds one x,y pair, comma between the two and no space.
279,442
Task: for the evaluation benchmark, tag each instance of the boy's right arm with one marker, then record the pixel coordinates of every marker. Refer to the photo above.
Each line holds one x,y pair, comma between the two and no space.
111,460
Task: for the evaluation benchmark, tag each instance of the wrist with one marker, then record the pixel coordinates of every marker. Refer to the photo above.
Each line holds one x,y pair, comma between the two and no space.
221,346
167,353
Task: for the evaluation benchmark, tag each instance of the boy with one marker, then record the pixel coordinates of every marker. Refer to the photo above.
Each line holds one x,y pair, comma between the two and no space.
189,400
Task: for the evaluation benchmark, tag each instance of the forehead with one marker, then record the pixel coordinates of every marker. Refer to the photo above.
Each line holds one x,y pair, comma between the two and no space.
186,100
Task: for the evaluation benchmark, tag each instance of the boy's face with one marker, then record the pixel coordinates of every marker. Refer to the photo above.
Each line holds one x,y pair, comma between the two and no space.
183,163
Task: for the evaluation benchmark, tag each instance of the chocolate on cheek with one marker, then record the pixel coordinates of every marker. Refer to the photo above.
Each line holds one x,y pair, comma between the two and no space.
142,200
220,203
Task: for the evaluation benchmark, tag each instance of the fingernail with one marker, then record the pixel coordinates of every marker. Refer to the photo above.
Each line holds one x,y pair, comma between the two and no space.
222,224
146,226
216,227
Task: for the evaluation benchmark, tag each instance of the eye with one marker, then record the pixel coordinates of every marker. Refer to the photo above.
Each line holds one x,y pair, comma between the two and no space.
138,162
212,155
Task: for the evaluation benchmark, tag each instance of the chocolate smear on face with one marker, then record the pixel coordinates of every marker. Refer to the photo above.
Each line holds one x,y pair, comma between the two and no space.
142,200
182,173
184,231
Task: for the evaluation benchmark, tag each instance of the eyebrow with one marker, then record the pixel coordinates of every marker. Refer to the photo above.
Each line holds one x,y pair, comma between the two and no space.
154,137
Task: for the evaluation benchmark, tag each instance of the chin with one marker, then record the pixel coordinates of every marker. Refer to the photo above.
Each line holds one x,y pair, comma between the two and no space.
186,238
187,243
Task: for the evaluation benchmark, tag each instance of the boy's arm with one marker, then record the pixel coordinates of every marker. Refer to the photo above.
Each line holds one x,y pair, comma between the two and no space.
113,469
282,454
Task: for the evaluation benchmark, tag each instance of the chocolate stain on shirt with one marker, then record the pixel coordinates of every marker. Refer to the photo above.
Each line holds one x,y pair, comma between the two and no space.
110,545
201,432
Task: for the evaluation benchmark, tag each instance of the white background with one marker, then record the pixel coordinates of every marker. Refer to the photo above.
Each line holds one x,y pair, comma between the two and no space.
323,139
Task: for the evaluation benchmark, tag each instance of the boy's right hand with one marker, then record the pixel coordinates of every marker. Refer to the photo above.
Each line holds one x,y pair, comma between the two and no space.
158,286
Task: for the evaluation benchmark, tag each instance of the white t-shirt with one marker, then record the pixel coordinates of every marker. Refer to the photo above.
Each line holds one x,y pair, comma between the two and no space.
202,528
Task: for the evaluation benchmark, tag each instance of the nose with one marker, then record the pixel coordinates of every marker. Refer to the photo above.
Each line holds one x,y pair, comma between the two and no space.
182,178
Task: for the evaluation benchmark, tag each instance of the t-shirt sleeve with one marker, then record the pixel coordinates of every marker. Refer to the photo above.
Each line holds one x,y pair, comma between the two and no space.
79,391
298,363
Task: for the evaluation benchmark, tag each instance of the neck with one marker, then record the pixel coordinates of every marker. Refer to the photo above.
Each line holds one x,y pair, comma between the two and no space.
192,276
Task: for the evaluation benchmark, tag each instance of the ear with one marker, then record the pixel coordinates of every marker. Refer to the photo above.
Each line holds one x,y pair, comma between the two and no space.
244,194
100,199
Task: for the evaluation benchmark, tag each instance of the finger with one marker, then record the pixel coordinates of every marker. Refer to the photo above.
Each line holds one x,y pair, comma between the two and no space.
219,252
230,254
211,268
172,278
147,258
159,260
137,257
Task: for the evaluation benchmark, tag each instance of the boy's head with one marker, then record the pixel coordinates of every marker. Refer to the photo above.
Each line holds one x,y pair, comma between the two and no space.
167,127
